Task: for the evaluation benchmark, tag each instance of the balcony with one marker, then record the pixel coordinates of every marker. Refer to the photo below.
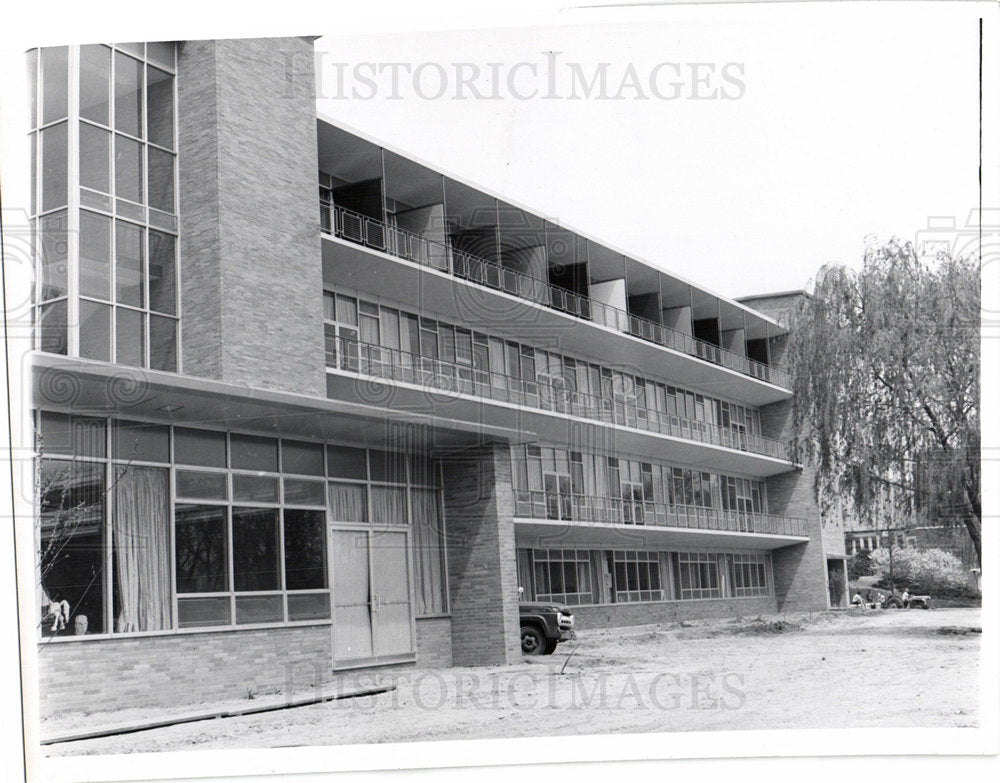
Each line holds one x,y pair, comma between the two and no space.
548,394
372,233
530,504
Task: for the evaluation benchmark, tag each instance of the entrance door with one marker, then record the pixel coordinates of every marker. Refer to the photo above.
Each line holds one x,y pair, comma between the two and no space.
372,619
558,502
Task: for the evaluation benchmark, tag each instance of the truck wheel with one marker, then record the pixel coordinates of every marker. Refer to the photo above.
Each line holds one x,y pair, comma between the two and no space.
532,641
550,647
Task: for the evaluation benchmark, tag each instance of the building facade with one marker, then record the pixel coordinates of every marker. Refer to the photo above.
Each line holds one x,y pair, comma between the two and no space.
305,405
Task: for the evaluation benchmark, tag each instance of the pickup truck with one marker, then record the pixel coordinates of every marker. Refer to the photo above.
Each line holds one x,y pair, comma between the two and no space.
543,626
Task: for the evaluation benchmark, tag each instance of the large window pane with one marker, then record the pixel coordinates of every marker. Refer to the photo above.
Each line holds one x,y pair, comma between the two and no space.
308,606
161,52
130,343
305,550
202,612
255,489
75,435
198,485
95,255
253,453
95,158
95,331
428,552
54,247
162,343
259,609
302,492
54,166
389,506
72,554
200,545
161,179
141,536
162,273
348,503
255,549
52,327
128,95
129,266
142,442
95,83
387,466
160,100
128,169
304,458
199,447
55,83
345,462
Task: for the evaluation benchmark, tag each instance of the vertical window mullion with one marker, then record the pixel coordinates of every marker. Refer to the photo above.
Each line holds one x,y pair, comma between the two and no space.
109,510
229,551
73,203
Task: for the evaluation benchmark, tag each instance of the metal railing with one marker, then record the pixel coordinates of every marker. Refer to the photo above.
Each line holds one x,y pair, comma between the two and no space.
537,504
376,234
547,394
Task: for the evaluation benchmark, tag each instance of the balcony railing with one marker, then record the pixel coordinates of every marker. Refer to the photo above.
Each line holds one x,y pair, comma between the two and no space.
376,234
547,394
533,504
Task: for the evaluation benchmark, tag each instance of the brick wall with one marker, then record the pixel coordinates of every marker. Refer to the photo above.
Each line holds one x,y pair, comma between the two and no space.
482,568
799,571
169,670
613,616
250,243
434,642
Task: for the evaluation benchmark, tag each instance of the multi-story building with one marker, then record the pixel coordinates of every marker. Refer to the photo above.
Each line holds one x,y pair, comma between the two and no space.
304,404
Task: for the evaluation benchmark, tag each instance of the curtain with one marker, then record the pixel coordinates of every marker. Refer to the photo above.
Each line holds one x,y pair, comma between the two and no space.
388,506
428,548
347,503
141,536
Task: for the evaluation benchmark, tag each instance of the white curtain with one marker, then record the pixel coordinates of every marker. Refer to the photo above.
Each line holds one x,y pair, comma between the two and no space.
141,535
347,503
388,506
428,548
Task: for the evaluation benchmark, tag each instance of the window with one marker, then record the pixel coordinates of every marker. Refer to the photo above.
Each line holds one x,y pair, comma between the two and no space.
637,576
699,575
429,553
126,166
748,575
72,553
563,576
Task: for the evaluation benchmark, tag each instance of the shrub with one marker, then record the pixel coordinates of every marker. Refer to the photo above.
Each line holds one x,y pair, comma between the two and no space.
921,570
859,565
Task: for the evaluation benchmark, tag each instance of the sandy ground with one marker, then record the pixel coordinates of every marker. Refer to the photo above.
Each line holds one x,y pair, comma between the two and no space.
830,670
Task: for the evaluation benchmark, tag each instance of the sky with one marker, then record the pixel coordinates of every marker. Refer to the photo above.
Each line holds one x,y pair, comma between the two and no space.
770,142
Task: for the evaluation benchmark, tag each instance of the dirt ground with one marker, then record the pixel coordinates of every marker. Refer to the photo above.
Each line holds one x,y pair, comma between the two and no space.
830,670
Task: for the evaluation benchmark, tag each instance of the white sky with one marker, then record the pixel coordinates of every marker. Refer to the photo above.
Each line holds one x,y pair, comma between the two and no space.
856,120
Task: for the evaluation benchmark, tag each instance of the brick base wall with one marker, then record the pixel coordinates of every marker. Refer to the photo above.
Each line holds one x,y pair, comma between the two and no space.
617,615
110,674
434,643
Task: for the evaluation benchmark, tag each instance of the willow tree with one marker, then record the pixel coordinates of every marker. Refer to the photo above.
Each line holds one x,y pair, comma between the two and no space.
886,373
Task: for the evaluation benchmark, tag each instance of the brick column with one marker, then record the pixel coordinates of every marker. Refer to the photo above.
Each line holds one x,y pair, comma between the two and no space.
251,261
799,570
482,567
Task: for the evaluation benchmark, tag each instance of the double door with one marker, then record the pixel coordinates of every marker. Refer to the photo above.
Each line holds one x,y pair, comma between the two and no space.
372,615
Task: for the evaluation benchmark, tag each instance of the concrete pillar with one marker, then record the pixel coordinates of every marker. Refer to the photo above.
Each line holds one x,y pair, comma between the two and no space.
482,561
